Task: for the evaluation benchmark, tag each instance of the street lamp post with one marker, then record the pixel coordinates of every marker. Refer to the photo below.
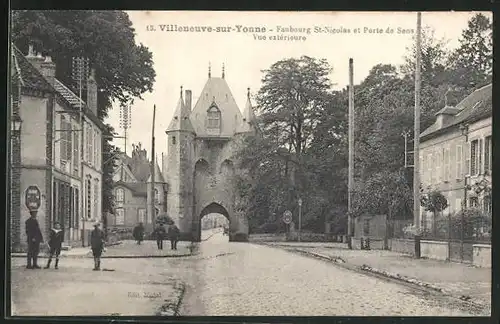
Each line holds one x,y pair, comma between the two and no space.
300,218
464,128
15,173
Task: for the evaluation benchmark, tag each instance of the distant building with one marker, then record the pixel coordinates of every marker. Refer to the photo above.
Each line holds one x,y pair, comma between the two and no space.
458,146
132,191
47,152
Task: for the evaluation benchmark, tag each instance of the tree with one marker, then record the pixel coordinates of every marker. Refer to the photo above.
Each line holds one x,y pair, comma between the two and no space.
434,202
293,101
124,70
472,61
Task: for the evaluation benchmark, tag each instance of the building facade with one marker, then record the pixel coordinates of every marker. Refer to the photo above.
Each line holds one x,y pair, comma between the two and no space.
456,154
132,191
201,166
71,191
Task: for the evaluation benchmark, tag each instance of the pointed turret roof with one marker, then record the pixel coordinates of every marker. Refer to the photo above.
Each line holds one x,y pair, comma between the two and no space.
158,175
216,91
180,120
247,125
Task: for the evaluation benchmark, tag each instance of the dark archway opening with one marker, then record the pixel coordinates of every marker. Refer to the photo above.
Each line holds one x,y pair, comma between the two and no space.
214,220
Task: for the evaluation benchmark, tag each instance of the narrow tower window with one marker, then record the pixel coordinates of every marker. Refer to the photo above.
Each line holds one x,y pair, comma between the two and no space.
173,140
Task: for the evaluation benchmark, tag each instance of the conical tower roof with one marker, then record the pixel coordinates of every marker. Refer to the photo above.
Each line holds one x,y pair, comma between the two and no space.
180,121
247,125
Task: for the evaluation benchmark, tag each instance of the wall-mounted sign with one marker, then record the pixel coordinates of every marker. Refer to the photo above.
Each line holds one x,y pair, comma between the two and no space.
33,197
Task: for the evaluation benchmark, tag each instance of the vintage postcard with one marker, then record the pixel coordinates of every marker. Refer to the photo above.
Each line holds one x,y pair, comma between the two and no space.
180,163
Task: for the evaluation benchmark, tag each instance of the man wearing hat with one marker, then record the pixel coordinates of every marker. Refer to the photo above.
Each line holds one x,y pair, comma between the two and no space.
97,245
34,236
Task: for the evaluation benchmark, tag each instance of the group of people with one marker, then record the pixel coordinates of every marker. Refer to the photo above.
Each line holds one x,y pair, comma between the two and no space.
97,241
56,238
160,233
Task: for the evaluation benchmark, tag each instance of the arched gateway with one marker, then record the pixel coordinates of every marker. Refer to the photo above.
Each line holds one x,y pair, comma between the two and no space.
200,166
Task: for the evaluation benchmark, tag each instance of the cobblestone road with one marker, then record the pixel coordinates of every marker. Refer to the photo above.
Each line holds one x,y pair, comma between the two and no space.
246,279
226,278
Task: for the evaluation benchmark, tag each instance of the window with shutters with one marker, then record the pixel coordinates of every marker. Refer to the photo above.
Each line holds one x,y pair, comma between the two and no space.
432,172
141,217
66,149
446,164
474,150
97,193
119,216
77,209
487,154
459,164
86,142
76,150
89,198
71,207
96,149
120,195
91,145
437,160
54,201
480,157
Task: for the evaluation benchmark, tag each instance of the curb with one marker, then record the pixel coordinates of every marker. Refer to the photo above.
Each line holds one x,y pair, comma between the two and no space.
88,256
172,308
365,269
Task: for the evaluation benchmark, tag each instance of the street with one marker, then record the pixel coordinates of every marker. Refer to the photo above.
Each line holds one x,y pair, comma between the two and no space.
223,279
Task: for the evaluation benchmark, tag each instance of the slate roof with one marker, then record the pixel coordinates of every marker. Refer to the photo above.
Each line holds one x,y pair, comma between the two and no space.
476,106
141,169
216,90
137,188
181,120
30,77
248,122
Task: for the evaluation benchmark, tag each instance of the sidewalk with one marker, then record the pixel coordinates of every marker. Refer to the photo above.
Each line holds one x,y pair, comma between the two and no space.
125,287
452,278
127,249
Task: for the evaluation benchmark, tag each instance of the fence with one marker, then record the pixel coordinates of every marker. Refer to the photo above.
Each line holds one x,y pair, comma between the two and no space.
461,231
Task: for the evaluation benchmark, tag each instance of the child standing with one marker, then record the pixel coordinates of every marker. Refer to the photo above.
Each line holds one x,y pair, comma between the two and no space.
97,245
55,243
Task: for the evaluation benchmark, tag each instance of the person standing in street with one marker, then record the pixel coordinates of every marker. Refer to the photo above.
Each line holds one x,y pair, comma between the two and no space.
160,235
138,233
55,244
34,236
97,245
173,234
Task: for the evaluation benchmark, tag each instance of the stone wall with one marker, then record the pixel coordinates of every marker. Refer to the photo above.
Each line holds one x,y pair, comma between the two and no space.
406,246
482,255
437,250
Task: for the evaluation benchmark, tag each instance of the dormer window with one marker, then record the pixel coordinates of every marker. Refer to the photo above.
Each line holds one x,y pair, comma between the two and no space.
213,118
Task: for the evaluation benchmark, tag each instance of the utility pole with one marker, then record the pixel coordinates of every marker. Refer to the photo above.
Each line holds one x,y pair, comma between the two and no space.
416,137
350,183
80,74
153,164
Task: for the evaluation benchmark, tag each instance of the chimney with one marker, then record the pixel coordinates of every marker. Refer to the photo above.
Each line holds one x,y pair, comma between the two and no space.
34,58
188,100
48,70
92,92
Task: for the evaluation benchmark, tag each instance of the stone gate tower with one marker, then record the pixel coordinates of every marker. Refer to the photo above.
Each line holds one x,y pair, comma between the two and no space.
200,164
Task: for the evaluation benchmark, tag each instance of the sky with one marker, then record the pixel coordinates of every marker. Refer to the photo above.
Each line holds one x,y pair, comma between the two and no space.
182,58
